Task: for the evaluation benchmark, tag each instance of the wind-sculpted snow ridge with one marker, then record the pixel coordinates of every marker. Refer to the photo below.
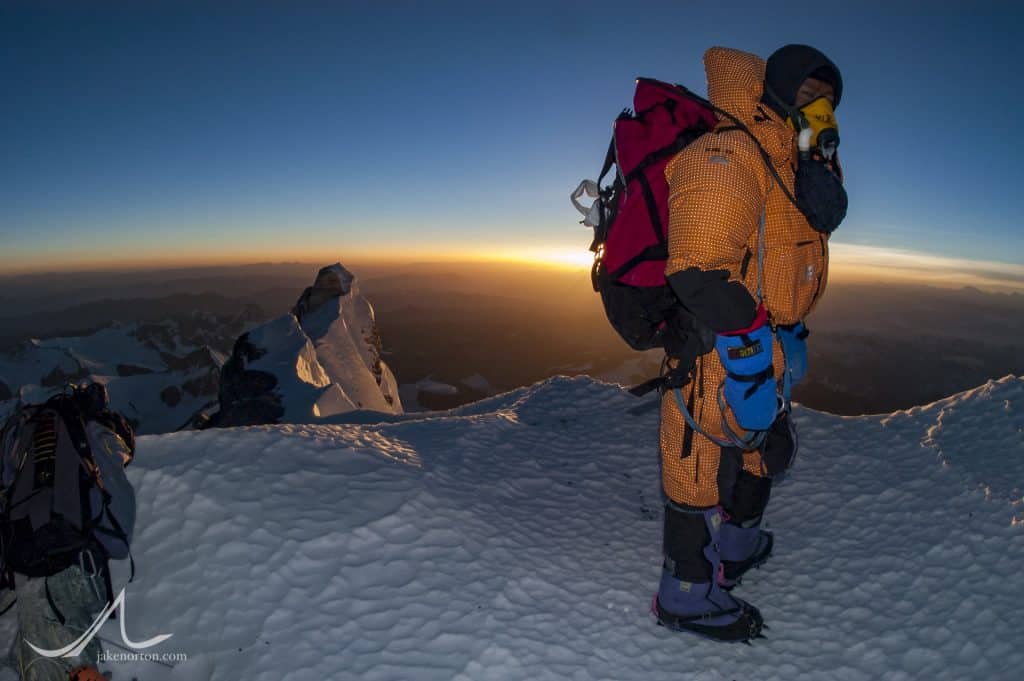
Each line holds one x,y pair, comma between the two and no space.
980,434
519,538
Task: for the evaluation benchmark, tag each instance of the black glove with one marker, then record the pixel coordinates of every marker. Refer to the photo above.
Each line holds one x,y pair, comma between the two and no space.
684,338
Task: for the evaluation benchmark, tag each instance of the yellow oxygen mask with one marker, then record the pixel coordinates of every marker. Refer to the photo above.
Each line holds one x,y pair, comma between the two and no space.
818,128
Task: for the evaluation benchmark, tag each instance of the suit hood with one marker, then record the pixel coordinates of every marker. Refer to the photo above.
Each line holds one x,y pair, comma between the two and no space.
735,84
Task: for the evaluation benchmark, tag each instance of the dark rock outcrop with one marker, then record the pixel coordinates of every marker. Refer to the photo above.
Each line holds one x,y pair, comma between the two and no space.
246,396
58,377
331,282
171,395
205,384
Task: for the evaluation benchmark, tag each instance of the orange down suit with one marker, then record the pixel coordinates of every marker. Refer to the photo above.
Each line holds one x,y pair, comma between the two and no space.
718,187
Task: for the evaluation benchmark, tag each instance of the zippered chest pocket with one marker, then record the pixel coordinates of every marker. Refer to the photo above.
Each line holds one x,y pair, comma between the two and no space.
794,282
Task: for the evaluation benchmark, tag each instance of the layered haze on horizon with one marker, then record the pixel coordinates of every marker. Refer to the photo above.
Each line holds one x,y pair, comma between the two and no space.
849,264
875,347
198,134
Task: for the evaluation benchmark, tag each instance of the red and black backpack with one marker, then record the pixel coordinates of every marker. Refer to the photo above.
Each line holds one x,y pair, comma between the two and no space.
630,216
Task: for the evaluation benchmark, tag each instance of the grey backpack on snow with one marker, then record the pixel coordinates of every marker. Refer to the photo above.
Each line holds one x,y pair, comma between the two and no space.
64,495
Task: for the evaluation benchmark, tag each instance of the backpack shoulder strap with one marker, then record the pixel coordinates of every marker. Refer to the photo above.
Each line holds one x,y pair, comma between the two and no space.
738,124
71,415
609,161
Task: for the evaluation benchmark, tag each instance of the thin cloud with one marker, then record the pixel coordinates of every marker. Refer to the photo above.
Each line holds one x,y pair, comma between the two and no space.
894,263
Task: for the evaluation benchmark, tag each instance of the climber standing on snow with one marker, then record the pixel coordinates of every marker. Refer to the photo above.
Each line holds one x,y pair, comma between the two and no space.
751,207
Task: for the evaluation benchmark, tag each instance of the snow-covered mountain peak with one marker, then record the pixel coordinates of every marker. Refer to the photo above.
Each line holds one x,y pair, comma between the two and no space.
320,360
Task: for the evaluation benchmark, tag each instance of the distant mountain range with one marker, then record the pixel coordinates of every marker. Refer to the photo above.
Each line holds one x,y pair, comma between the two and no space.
874,348
201,369
158,374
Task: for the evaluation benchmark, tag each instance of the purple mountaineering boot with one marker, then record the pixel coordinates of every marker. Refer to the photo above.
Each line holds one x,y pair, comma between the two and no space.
690,597
743,548
743,544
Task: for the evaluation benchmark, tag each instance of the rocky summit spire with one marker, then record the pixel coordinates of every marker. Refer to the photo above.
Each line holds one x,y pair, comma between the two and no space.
332,281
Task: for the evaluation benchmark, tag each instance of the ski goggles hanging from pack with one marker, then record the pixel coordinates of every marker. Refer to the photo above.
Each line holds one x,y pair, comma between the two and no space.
595,214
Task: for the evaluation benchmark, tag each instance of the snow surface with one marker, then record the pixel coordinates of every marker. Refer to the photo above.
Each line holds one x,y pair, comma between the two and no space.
291,357
518,537
340,330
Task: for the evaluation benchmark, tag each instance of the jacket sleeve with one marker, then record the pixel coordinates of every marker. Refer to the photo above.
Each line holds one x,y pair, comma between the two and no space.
715,204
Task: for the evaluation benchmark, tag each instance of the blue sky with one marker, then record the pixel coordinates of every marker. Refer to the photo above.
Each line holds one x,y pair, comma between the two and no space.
181,131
